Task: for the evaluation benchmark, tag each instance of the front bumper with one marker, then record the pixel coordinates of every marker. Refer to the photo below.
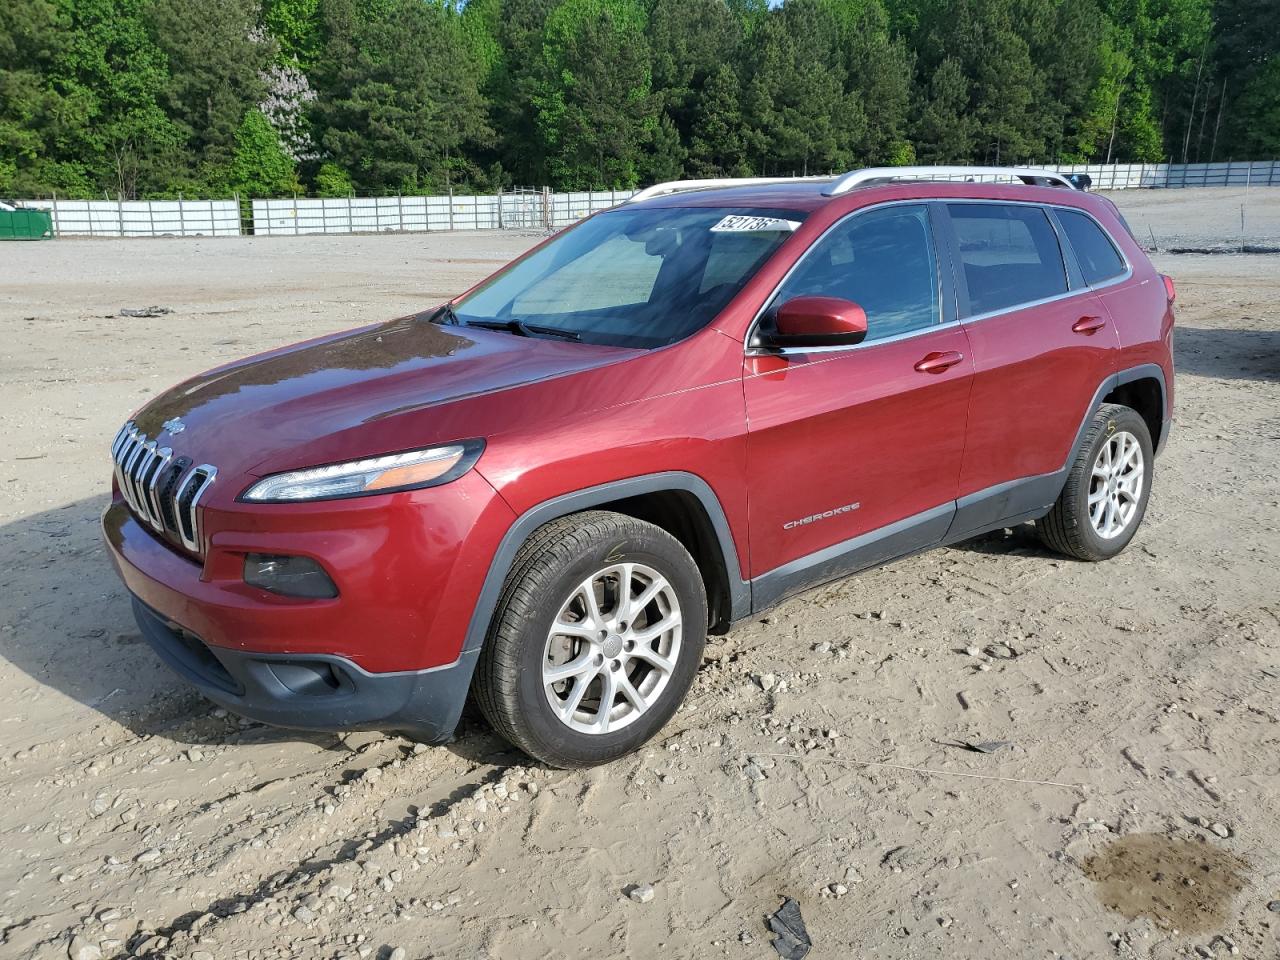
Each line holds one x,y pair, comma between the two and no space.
388,652
313,691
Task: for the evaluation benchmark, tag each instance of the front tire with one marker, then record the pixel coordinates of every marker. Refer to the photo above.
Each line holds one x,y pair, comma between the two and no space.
595,641
1107,489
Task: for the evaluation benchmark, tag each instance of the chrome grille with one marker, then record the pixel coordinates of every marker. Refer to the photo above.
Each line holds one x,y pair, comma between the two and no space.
162,491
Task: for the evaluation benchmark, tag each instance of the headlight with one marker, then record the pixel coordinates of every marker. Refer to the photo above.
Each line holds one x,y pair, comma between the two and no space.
396,471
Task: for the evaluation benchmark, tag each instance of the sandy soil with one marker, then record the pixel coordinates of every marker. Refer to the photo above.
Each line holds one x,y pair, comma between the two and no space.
1203,218
1135,811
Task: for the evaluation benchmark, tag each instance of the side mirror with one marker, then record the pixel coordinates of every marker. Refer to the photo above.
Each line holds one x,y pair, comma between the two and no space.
818,322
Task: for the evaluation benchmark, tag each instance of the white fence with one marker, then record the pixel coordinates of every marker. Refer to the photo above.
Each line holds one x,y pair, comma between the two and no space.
522,209
142,218
525,209
1127,176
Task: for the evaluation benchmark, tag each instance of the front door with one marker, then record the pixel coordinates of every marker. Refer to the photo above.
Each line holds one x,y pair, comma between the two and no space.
853,453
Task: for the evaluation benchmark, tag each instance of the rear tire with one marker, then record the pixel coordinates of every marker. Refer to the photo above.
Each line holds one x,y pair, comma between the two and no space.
564,641
1105,496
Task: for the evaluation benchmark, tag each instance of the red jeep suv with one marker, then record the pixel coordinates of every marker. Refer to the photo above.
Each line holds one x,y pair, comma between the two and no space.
658,422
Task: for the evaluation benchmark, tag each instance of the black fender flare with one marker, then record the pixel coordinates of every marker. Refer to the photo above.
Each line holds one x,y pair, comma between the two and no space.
579,500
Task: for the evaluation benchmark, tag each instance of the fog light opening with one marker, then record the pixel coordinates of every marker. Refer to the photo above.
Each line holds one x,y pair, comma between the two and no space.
288,576
309,678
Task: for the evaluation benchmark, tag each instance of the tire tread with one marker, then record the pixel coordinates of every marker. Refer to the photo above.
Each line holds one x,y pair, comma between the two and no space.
536,565
1061,529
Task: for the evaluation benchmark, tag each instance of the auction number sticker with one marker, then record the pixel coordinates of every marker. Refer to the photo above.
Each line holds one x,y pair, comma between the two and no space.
736,223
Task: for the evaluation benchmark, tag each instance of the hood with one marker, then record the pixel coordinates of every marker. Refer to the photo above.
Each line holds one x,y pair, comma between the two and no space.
275,406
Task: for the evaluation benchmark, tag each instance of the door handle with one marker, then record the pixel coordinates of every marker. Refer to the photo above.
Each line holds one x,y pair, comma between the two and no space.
1088,325
937,362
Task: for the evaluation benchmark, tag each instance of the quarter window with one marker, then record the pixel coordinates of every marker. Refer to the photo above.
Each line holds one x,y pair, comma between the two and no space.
882,260
1098,257
1009,254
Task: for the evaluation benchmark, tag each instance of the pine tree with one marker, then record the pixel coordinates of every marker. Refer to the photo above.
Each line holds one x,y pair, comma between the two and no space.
217,62
944,130
596,112
33,114
879,69
717,144
399,112
801,119
690,41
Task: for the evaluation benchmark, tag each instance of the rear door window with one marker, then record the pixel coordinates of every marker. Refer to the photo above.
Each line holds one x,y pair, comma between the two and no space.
1099,260
1009,254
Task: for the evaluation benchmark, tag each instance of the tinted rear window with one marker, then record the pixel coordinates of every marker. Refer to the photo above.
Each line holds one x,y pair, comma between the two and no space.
1009,253
1097,255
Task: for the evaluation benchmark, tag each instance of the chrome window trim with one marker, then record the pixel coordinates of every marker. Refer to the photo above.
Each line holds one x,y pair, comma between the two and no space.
974,318
1029,304
794,351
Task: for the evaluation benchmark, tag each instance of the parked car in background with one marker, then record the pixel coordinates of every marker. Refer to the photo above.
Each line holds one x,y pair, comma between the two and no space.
658,422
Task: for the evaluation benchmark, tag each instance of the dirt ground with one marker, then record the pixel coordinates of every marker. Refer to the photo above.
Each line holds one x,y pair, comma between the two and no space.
1134,812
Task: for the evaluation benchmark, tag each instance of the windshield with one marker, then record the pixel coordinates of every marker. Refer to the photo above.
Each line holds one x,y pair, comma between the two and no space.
633,278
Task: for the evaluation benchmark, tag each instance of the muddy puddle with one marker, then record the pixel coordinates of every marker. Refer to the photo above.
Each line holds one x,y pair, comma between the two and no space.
1184,885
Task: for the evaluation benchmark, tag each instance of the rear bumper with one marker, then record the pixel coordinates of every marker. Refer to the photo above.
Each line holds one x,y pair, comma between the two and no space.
313,691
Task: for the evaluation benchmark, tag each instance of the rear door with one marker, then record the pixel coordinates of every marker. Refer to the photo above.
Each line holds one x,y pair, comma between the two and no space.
1042,344
853,453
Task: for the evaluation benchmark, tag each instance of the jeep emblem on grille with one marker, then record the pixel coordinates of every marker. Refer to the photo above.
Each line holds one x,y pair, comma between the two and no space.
174,426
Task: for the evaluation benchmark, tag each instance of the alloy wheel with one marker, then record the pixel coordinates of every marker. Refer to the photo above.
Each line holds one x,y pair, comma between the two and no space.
612,649
1116,484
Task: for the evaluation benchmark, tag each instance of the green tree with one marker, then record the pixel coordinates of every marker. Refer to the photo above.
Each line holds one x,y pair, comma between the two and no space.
1260,102
295,27
718,142
116,75
800,118
878,68
596,113
1070,61
1246,46
261,167
513,83
1098,119
34,117
944,130
216,61
402,102
333,181
690,40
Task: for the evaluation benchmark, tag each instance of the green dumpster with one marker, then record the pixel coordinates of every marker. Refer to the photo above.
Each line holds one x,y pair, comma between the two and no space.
22,224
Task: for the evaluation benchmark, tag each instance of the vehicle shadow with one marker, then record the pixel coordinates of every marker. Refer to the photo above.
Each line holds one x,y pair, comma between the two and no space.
1230,354
1020,540
66,623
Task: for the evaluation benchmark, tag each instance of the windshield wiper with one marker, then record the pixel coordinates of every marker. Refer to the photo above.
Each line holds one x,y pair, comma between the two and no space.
445,315
522,329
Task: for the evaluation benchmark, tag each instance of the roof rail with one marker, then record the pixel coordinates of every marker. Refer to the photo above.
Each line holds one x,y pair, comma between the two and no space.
680,186
1027,175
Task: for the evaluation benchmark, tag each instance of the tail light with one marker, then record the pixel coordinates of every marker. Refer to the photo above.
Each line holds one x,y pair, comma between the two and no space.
1168,287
